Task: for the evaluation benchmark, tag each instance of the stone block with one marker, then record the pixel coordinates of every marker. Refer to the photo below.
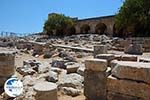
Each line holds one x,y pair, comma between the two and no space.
132,70
72,67
135,49
73,80
117,57
81,70
129,57
146,60
96,64
108,57
7,63
128,87
100,49
45,91
119,96
95,85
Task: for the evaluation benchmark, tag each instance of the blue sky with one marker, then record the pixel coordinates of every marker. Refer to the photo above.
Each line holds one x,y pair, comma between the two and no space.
27,16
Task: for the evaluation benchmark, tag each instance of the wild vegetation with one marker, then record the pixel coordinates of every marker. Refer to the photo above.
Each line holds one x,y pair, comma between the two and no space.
133,18
58,24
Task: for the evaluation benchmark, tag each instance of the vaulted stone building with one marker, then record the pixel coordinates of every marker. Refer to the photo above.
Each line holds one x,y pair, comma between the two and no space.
107,21
103,24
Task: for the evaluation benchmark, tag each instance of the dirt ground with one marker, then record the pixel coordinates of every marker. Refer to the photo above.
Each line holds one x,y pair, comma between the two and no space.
19,62
20,57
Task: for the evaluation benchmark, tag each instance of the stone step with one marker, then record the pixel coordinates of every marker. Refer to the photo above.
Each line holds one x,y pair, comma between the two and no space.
73,48
127,87
137,71
119,96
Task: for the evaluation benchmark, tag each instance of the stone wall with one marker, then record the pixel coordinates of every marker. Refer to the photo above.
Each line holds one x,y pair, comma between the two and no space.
92,22
116,77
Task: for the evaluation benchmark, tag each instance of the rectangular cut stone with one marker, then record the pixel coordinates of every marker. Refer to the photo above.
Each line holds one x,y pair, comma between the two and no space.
119,96
127,87
95,85
129,57
72,68
100,49
108,57
7,63
117,57
132,70
96,64
146,60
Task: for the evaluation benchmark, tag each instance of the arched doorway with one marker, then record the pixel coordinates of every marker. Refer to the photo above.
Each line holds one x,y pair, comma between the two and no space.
85,28
100,28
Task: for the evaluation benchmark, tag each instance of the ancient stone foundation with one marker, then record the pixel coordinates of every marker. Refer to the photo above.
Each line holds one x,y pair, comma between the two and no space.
7,66
95,79
128,80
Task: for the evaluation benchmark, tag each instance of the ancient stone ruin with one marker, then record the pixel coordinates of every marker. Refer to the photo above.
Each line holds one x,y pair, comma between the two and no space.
77,67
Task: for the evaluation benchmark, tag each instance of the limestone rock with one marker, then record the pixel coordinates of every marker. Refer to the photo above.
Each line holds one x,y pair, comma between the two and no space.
135,49
72,67
96,64
7,63
129,57
43,67
108,57
47,55
58,64
31,62
119,96
132,70
71,80
95,85
29,80
26,71
45,90
100,49
71,91
53,77
81,70
146,60
127,87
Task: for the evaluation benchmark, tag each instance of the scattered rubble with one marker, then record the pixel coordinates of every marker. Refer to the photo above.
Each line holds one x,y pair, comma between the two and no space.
103,67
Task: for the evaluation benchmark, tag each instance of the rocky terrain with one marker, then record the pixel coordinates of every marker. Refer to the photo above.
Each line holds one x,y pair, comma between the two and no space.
61,61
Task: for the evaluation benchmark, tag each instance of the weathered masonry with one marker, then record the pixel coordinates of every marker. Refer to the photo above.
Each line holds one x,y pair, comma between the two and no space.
117,77
108,21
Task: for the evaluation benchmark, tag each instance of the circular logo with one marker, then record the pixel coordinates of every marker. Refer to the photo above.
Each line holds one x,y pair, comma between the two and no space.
13,87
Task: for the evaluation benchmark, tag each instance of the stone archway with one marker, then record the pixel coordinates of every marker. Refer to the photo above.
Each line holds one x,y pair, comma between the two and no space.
114,31
85,28
100,28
